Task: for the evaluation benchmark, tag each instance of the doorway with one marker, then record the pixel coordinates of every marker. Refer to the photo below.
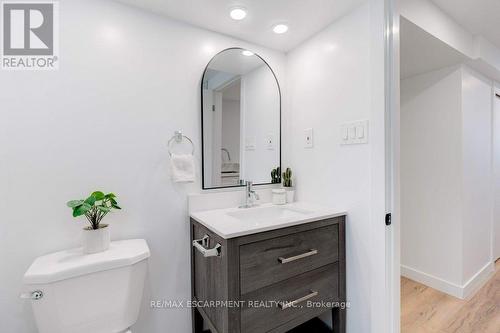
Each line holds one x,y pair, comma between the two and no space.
446,165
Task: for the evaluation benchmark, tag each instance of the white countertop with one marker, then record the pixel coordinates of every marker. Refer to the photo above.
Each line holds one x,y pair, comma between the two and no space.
227,226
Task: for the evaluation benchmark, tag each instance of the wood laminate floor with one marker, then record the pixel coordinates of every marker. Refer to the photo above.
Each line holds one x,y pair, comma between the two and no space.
426,310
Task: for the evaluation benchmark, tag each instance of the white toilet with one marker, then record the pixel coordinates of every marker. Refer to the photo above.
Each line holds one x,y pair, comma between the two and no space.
72,292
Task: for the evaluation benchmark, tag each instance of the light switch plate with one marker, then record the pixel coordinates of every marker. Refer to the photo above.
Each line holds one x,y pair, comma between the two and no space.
354,133
308,138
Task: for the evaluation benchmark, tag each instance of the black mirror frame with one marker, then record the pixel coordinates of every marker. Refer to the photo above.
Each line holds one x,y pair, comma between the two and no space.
202,134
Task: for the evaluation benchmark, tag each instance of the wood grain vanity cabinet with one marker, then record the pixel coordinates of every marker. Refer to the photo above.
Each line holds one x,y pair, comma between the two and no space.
271,281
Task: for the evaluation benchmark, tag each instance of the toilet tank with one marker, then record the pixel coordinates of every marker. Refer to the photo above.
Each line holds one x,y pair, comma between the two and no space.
83,293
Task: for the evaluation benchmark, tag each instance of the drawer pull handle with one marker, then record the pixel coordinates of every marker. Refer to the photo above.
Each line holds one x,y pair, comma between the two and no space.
286,305
297,257
201,246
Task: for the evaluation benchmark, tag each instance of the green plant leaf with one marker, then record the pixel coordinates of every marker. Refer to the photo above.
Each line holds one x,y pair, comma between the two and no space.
90,200
116,206
98,195
104,209
113,201
110,196
74,203
81,210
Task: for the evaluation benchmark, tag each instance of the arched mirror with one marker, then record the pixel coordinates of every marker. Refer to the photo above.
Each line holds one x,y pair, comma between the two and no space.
241,120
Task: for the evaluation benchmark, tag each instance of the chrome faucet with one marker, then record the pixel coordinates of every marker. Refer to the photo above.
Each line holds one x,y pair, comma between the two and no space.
250,195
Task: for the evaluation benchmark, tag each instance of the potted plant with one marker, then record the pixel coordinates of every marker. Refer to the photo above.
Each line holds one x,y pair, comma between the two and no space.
275,176
95,208
287,184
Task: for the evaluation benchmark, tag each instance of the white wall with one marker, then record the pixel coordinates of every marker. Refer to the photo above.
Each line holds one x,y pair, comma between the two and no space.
431,174
328,83
260,117
127,80
477,208
446,179
231,129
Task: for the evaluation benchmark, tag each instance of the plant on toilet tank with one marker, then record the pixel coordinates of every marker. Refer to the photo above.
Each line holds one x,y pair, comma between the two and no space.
96,236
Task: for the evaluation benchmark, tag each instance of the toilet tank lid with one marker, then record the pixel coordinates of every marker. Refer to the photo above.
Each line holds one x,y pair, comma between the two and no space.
72,263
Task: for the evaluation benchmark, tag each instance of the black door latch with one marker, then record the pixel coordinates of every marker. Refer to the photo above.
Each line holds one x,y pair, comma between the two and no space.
388,219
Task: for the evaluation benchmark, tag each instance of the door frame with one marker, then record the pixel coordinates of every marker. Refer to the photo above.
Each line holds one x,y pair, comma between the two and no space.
392,165
384,138
495,224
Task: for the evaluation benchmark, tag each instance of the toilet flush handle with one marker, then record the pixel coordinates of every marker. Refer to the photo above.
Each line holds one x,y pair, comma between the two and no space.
34,295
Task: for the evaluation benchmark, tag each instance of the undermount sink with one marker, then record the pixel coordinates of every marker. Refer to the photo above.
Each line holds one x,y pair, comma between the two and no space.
256,214
235,222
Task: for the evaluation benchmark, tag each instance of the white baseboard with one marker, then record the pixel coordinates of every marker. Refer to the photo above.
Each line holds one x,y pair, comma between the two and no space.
478,280
462,292
432,281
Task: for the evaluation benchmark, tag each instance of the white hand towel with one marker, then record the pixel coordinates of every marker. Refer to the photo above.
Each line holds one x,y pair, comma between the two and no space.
182,168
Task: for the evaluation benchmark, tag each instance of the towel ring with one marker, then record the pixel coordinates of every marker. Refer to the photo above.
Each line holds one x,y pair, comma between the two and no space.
177,138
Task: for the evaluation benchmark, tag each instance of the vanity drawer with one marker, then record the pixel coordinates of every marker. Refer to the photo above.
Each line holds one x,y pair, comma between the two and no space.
261,313
266,262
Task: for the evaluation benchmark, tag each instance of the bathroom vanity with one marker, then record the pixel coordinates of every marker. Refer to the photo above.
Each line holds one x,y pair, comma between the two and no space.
267,269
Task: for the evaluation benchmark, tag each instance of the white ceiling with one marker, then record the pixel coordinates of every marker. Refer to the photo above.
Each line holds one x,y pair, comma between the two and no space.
421,52
304,17
481,17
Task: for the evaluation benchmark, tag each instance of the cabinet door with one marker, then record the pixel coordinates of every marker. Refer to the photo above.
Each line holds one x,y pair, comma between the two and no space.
305,296
266,262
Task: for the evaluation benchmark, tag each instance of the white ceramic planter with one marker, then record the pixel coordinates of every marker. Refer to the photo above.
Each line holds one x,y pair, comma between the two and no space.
290,194
279,196
96,240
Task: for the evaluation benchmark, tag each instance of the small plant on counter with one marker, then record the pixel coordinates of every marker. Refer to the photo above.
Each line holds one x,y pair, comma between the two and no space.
95,208
287,178
276,176
287,184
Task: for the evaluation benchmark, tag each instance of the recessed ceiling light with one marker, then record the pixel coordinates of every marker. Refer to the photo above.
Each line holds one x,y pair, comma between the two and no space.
247,53
238,13
280,28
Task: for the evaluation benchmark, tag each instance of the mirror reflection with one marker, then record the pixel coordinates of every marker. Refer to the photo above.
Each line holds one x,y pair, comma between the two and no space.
241,107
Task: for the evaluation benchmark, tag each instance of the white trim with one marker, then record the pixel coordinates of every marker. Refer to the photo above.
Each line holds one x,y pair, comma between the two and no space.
495,109
432,281
392,93
463,292
380,284
478,280
493,189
